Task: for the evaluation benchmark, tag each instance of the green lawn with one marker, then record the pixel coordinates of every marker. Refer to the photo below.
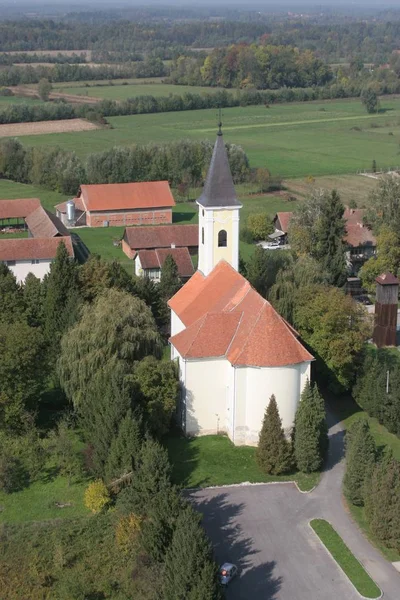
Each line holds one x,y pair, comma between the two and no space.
213,460
100,240
292,140
122,92
10,236
37,501
345,559
11,189
5,100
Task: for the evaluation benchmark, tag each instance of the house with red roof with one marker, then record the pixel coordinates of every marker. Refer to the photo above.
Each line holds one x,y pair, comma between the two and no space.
119,204
233,349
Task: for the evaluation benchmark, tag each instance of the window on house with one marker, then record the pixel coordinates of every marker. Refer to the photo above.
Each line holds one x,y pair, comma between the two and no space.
35,261
202,235
222,239
11,263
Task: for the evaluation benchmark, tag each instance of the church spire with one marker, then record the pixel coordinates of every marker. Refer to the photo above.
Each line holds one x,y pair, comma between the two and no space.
219,190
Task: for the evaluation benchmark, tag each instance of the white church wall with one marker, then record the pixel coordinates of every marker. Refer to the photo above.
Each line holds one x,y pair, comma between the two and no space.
176,327
207,389
286,383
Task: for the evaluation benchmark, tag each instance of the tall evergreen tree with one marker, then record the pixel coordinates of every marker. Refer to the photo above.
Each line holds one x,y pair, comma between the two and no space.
382,501
169,281
190,571
34,293
125,447
274,453
11,297
152,476
330,231
62,297
311,432
159,526
360,460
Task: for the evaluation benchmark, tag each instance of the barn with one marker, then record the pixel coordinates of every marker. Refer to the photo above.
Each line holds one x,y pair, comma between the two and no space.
119,204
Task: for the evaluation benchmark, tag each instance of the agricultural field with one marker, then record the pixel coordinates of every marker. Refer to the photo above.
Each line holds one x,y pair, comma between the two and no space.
350,187
122,92
7,100
291,140
46,127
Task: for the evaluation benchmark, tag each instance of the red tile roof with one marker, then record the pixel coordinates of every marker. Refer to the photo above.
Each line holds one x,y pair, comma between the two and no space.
284,220
33,248
387,279
62,207
162,236
123,196
154,259
42,223
225,316
18,209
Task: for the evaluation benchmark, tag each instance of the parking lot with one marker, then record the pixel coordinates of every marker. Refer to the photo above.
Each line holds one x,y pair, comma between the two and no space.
264,530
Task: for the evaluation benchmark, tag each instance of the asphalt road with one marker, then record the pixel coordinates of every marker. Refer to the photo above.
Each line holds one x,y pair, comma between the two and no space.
264,530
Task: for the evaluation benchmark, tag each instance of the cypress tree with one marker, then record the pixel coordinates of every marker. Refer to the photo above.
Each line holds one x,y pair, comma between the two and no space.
34,293
152,476
169,281
125,447
311,432
159,526
273,454
189,568
62,297
360,460
11,298
382,502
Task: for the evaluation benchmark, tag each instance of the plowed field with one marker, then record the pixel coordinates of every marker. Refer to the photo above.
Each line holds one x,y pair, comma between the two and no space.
41,127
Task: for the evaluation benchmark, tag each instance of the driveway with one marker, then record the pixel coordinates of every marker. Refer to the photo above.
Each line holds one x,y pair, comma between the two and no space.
264,529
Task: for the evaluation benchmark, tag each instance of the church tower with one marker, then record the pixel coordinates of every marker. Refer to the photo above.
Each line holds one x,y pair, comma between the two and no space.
218,213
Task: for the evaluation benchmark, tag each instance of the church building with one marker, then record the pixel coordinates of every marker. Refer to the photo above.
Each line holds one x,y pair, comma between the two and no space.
234,350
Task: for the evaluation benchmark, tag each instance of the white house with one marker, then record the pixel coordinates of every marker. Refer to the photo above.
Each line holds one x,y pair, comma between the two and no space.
31,255
234,350
148,263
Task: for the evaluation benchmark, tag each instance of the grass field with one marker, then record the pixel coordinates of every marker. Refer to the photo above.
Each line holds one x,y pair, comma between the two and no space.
291,140
6,100
122,92
345,559
214,460
11,190
350,187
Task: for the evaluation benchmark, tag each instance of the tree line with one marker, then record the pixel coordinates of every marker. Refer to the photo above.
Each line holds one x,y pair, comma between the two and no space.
62,170
18,75
259,66
24,57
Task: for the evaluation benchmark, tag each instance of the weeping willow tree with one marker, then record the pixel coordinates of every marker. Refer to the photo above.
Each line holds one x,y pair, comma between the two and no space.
97,363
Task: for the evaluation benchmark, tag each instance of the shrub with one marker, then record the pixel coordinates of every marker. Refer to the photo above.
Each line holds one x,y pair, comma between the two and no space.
246,236
127,532
96,496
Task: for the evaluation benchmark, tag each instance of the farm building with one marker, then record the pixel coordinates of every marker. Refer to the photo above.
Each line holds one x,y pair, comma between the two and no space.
119,204
148,263
233,349
14,212
164,236
31,255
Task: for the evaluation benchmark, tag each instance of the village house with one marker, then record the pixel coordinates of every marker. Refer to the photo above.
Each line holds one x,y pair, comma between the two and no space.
148,263
119,204
359,239
161,236
233,349
31,255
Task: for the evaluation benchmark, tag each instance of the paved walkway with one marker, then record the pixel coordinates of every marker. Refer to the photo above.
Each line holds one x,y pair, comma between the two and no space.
264,529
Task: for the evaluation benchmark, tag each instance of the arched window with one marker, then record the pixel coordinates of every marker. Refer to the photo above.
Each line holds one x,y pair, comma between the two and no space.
222,239
202,235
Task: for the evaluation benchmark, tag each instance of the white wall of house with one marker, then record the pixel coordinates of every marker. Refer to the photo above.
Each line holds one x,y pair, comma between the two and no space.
23,267
176,327
153,274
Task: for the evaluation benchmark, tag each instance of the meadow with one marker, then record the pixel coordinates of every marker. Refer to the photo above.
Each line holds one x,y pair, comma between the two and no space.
291,140
122,92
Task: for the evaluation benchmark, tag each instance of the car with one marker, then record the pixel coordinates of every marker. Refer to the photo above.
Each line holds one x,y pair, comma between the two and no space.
227,572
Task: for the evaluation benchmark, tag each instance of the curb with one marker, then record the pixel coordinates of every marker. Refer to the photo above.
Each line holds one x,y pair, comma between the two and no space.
249,484
336,562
